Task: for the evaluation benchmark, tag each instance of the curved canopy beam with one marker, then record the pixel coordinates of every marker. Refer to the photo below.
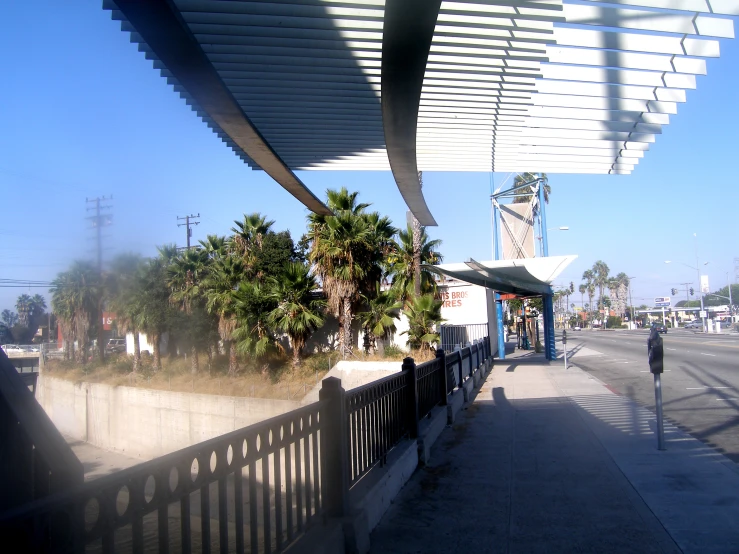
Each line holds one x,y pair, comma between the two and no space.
408,29
179,51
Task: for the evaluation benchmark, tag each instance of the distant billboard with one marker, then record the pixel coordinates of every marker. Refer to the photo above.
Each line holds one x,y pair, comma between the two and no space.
704,284
517,231
662,302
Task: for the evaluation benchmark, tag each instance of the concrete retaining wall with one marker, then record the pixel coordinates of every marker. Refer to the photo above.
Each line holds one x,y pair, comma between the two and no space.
147,423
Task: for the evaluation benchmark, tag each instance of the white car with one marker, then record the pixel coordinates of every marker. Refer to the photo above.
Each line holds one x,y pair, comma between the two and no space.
577,328
12,349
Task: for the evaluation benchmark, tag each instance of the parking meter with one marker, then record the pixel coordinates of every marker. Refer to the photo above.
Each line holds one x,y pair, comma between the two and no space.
656,352
564,336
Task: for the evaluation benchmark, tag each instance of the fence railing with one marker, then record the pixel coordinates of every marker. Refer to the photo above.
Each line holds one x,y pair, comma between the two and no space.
35,460
461,335
259,486
256,489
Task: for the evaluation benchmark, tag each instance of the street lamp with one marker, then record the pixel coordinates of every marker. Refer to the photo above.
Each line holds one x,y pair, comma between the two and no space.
698,272
540,237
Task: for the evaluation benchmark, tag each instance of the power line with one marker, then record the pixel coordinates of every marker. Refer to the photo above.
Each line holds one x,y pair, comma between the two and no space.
188,221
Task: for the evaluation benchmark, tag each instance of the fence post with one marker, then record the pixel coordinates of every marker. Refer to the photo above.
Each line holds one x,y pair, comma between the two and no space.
441,356
410,365
334,448
461,375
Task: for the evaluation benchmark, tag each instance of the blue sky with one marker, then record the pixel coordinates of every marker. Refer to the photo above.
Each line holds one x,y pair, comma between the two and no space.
84,114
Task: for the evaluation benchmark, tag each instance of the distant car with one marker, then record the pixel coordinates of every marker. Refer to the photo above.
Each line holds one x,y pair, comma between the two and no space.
577,328
694,325
12,349
660,327
115,346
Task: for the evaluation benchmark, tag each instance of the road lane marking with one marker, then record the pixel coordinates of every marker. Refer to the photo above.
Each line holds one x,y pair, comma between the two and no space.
671,349
727,399
704,388
704,354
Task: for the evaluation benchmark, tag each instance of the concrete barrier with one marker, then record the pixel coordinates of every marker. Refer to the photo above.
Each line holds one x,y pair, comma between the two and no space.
147,423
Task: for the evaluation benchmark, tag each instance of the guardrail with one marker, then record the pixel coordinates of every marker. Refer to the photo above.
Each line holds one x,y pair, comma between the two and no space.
263,484
35,460
259,484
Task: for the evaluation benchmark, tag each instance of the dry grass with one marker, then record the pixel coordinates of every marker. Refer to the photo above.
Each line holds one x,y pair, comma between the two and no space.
273,378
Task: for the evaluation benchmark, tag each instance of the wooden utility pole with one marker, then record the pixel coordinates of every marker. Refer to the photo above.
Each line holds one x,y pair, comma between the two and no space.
188,221
98,221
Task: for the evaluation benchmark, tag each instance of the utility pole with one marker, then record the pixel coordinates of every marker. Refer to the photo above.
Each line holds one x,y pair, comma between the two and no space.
98,221
188,221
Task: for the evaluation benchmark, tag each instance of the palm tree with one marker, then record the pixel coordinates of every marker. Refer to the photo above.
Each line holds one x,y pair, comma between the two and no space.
524,194
252,305
600,271
124,288
378,318
155,311
223,278
185,275
582,289
248,235
299,309
589,277
215,246
423,313
75,297
346,255
401,263
24,305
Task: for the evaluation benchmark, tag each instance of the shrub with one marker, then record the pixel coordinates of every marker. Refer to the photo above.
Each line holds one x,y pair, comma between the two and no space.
393,351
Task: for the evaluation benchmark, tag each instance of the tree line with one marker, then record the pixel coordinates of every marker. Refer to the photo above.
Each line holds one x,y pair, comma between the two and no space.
239,294
23,324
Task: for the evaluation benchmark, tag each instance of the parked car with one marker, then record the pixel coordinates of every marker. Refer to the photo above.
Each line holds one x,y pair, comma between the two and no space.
115,346
694,325
660,327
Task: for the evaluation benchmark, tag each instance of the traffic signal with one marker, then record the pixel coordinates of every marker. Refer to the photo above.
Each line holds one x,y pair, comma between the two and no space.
674,292
572,286
691,291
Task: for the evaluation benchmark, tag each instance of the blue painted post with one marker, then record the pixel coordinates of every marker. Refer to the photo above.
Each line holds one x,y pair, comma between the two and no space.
543,212
501,333
550,348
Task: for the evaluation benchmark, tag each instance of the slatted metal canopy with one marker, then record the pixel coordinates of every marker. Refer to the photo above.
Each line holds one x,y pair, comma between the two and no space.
429,85
525,277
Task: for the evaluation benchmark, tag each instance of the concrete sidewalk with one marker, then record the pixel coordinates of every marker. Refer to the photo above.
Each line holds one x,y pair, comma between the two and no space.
550,460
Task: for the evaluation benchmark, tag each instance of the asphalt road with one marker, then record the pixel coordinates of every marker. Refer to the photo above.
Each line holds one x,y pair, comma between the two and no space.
700,386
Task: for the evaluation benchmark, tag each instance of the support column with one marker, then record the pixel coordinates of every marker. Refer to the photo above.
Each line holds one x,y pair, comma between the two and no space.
550,347
501,332
543,216
496,231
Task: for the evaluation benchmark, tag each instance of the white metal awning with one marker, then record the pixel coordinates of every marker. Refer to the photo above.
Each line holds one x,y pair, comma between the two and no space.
557,86
525,277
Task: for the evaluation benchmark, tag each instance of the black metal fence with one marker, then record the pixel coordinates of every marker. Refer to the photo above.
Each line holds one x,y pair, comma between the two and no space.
253,490
461,335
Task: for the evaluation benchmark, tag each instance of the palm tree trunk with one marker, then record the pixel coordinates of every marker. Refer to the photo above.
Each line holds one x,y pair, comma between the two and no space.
157,354
209,352
233,362
136,350
347,312
194,366
297,350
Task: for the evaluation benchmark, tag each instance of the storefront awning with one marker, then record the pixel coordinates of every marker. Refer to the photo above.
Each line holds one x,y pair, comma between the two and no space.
526,277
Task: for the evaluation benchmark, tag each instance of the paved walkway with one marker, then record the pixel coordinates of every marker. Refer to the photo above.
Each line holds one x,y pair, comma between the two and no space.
549,460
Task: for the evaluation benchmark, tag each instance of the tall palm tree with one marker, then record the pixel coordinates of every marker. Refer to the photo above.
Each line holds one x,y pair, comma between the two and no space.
124,288
401,263
252,305
423,313
185,275
589,277
600,271
24,306
582,289
77,293
248,235
155,311
299,310
524,194
346,255
378,317
223,278
622,283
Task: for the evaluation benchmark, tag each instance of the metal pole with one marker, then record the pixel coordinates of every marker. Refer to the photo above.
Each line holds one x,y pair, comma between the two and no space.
496,233
658,402
543,215
564,345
